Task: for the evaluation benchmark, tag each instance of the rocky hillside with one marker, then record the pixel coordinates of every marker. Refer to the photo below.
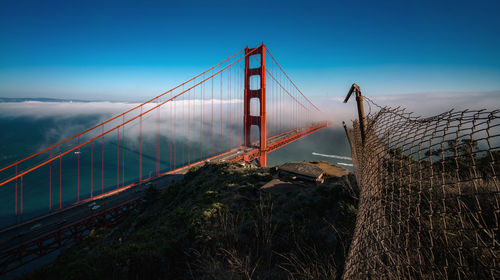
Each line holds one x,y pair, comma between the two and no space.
225,221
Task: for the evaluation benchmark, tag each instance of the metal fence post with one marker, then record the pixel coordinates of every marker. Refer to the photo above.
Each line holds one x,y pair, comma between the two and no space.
361,109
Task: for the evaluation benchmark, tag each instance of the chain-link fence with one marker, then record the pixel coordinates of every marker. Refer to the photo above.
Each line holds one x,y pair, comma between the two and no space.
430,196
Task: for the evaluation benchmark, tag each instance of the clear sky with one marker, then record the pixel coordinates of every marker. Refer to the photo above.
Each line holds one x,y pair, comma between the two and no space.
133,50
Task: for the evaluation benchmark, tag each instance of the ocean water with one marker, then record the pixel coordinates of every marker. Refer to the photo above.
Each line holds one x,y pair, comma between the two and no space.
114,161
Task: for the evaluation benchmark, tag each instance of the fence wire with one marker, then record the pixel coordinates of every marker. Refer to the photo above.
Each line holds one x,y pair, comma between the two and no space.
429,202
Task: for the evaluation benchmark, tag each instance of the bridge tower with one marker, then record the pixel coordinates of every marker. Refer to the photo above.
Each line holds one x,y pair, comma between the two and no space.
260,94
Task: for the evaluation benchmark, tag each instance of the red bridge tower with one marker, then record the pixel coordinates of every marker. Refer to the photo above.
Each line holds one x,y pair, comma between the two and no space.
260,94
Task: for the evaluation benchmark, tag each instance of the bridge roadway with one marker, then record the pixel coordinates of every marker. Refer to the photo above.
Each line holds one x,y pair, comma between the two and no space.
35,238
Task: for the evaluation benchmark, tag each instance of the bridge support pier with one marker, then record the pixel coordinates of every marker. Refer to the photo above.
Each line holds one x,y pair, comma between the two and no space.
260,94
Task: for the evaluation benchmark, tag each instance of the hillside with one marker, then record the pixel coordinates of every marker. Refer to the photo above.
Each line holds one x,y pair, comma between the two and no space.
219,223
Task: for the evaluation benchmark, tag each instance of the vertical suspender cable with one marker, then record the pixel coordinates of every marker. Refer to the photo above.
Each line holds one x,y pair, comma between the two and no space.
50,182
60,182
228,123
189,126
158,140
118,158
123,152
15,204
183,124
171,126
202,104
78,176
102,161
174,139
140,149
22,198
91,169
220,112
212,121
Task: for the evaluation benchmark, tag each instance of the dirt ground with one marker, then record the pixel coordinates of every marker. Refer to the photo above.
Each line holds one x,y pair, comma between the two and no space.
329,169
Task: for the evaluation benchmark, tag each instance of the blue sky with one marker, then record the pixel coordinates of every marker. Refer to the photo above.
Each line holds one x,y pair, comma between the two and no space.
133,50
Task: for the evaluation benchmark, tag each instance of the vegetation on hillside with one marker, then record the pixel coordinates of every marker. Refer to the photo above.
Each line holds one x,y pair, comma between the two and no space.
218,224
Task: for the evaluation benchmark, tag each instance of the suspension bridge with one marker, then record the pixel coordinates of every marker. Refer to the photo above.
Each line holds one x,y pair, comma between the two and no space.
240,109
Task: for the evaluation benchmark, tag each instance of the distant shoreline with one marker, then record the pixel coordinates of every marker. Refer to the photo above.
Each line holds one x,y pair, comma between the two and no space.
24,99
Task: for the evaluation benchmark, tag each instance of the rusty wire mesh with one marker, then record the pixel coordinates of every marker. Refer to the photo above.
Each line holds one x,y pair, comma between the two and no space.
429,202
